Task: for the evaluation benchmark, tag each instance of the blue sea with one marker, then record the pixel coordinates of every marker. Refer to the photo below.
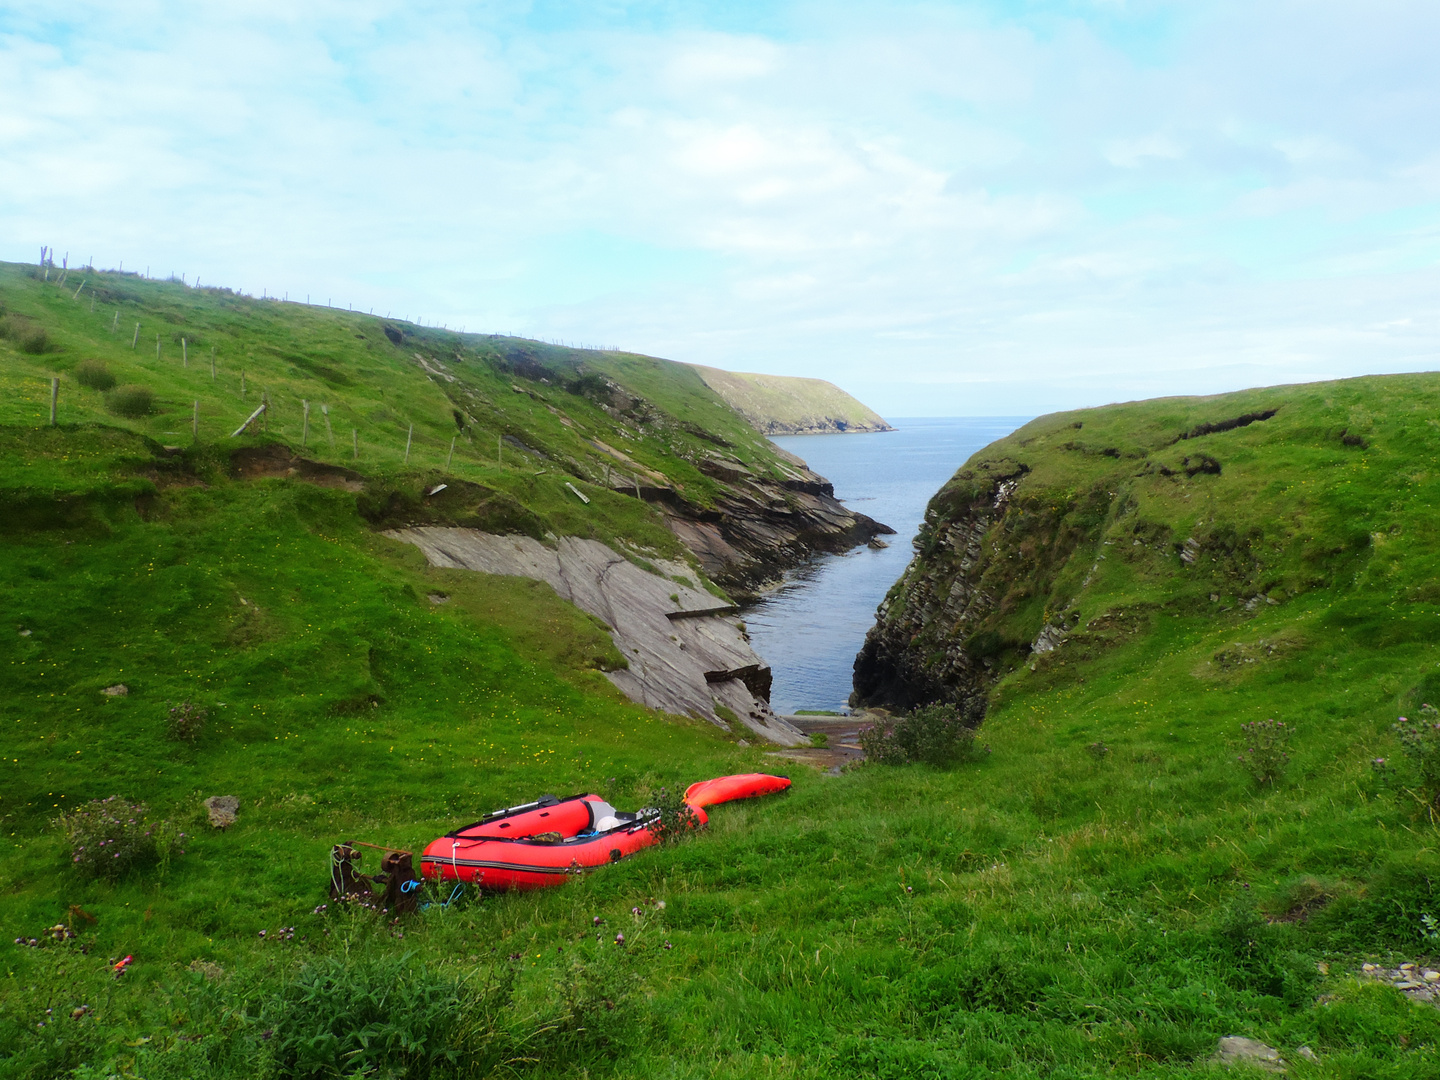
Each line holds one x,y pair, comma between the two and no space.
810,629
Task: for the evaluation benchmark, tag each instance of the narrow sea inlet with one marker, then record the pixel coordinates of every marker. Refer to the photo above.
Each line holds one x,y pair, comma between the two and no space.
810,628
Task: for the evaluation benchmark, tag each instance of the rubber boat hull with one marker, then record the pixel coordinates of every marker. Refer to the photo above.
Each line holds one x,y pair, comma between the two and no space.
545,843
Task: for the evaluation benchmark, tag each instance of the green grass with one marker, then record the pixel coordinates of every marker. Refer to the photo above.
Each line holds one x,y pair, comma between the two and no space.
1044,912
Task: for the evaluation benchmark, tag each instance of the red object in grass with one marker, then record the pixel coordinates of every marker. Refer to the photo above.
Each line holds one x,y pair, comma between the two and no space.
540,844
728,788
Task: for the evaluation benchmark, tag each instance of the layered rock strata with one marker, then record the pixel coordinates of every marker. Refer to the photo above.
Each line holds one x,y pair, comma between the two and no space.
761,526
686,650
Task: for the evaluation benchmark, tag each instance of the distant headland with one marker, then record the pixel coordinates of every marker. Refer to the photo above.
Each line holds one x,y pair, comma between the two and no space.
785,405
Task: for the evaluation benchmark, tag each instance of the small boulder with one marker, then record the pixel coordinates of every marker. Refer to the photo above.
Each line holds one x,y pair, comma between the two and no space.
1238,1050
222,810
118,690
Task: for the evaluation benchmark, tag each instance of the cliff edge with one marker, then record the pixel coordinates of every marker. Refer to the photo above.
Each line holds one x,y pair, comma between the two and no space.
786,405
1085,531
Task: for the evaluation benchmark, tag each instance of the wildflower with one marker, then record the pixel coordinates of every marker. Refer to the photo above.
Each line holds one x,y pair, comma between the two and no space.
635,911
619,939
667,945
597,921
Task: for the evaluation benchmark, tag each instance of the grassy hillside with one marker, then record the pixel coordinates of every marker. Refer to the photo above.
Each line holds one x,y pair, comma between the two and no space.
785,405
523,416
1052,910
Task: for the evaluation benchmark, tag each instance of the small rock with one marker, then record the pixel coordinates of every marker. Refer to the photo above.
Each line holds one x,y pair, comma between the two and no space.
1306,1053
1430,976
742,744
222,810
1323,968
438,598
1238,1050
1367,968
118,690
1407,967
24,633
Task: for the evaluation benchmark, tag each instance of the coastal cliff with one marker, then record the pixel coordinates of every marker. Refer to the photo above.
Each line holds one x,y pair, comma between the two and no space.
787,405
1084,531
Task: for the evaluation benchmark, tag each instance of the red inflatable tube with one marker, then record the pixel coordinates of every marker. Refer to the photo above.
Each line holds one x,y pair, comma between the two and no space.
728,788
544,843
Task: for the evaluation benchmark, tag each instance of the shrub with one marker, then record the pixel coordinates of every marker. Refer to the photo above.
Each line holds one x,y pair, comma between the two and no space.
677,818
95,375
33,340
1420,743
385,1017
1264,749
187,721
934,734
132,401
109,837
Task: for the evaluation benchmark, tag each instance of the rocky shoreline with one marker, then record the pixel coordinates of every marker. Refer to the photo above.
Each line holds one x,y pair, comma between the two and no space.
762,527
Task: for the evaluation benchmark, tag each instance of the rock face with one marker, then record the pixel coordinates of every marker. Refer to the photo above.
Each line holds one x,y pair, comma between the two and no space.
761,527
921,648
687,655
785,405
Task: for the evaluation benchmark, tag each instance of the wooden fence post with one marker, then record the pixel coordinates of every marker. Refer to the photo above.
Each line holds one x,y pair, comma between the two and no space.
184,353
54,399
242,384
329,435
407,443
195,423
136,339
157,346
212,363
305,427
265,402
250,420
452,451
354,434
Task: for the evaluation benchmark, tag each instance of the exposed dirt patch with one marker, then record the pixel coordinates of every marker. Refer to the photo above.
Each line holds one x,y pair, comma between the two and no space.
276,459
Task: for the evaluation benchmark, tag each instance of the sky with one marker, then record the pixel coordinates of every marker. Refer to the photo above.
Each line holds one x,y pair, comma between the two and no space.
987,208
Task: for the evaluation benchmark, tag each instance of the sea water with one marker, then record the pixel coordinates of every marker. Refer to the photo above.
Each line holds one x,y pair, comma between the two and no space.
810,628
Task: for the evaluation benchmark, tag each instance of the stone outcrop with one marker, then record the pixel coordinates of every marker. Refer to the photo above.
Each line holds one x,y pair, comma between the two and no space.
916,652
761,526
686,655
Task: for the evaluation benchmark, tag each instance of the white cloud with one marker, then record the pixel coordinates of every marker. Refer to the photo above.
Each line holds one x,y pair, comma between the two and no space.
1037,211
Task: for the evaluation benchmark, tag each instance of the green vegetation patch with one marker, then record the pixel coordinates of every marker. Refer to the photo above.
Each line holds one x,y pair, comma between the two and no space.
1108,892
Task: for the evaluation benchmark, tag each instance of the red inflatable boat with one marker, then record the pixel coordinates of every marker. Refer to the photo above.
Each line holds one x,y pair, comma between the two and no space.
541,843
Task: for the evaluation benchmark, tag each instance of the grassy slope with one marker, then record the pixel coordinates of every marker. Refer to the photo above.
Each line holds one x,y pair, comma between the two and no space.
373,387
777,403
1044,912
